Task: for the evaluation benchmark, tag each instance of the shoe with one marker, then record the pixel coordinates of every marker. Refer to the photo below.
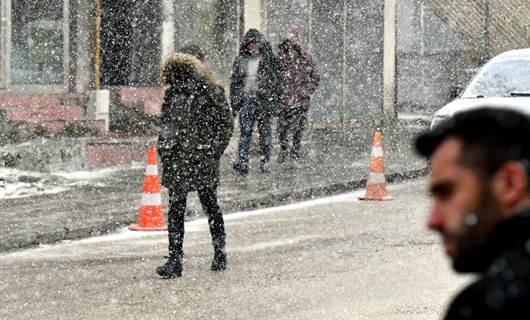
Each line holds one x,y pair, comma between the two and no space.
171,269
241,169
264,167
219,261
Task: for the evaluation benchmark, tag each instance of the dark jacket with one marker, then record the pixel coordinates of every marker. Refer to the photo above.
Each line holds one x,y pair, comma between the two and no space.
196,126
503,262
300,76
268,78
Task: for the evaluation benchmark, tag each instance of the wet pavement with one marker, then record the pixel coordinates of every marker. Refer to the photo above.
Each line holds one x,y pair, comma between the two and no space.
332,258
333,162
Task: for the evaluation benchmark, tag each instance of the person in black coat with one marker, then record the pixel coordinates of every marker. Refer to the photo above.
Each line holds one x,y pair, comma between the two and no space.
480,183
196,125
255,91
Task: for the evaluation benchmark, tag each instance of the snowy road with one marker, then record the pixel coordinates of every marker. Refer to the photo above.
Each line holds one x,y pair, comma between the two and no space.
334,258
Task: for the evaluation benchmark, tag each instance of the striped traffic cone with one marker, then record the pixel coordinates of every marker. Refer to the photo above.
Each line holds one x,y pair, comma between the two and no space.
376,184
151,216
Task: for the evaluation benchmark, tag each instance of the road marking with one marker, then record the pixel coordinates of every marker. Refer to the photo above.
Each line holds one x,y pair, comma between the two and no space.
274,244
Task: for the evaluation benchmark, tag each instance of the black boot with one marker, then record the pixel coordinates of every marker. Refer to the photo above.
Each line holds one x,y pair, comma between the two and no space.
171,269
219,261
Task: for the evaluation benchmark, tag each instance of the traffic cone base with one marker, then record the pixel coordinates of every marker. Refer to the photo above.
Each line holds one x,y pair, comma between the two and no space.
151,215
137,227
376,192
151,219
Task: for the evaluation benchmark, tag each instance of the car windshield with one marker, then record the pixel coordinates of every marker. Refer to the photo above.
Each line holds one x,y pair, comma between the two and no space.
501,79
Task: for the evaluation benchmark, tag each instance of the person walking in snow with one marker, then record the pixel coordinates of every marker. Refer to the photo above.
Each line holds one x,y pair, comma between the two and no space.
196,125
254,94
300,79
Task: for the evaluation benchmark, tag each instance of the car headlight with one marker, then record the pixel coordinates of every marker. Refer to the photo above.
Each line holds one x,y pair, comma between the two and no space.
437,120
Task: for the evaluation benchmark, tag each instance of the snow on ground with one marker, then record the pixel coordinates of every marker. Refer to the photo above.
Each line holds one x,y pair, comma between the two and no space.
18,184
10,190
202,224
191,226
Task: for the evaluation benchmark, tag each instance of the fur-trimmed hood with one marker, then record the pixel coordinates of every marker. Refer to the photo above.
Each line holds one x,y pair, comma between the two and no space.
185,66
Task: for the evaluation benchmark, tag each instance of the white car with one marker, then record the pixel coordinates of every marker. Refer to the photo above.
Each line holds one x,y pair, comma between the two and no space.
504,82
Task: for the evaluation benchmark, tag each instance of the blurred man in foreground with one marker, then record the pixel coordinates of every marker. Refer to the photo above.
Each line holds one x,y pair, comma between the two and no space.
481,208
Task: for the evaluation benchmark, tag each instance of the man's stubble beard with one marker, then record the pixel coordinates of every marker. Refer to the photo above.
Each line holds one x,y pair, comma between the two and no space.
471,250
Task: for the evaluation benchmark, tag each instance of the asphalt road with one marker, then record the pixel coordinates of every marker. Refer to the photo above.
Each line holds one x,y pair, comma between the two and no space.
101,202
333,258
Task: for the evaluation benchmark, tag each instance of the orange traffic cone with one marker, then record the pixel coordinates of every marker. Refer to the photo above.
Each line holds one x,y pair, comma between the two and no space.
151,216
376,184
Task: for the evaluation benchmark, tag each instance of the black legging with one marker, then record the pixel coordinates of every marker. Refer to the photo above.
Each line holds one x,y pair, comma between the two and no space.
177,208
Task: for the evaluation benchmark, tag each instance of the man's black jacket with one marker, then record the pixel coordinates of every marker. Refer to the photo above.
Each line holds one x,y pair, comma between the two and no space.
503,263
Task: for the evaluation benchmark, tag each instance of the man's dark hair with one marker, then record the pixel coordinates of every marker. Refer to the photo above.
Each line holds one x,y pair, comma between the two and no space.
251,36
490,137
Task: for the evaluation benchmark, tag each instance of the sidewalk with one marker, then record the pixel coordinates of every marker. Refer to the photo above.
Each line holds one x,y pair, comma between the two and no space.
334,162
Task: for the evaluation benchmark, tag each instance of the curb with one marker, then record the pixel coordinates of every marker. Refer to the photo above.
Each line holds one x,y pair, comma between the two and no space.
331,190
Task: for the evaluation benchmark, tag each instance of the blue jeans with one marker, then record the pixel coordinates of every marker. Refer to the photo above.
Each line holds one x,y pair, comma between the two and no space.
248,116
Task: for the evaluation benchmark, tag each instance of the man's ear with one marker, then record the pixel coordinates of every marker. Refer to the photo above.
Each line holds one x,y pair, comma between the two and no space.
510,185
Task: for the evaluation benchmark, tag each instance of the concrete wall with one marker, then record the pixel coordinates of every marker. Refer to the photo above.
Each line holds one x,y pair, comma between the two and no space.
430,58
282,15
145,43
364,64
198,22
345,37
253,15
81,46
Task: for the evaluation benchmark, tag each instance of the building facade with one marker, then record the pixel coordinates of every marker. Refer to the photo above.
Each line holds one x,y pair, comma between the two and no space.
53,54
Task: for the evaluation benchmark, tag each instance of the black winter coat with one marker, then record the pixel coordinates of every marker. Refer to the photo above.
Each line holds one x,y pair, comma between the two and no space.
268,78
196,126
503,289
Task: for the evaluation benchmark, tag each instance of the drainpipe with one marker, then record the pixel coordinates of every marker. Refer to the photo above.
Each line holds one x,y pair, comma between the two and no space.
389,62
98,100
97,47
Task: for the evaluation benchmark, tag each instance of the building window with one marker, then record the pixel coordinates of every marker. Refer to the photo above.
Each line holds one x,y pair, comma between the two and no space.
37,42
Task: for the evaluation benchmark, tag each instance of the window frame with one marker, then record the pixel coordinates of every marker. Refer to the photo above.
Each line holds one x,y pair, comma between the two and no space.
6,46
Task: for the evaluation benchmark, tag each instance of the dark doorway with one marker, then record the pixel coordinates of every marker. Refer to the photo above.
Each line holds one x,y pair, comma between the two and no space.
116,34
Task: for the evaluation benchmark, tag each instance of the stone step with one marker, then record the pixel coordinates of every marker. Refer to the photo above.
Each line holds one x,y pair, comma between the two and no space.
36,102
73,99
115,152
53,127
32,114
147,100
77,153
